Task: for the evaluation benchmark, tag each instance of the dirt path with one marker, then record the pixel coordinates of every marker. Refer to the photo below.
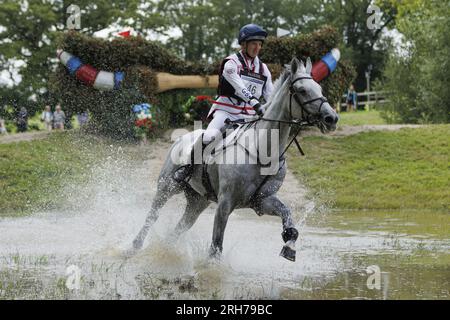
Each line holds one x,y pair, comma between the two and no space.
340,132
343,131
23,136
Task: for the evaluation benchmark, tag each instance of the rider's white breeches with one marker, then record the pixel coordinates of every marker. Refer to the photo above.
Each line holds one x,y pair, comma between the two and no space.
218,122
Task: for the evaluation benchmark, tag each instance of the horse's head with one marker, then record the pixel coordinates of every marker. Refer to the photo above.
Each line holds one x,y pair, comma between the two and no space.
310,105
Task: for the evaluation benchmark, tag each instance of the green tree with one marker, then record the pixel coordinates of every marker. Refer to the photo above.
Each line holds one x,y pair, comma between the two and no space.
364,46
29,32
418,75
209,28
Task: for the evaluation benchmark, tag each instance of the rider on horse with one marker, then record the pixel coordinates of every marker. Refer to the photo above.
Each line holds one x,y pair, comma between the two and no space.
243,80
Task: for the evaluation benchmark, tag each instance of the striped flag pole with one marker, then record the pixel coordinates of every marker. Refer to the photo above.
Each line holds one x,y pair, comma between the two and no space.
101,80
325,66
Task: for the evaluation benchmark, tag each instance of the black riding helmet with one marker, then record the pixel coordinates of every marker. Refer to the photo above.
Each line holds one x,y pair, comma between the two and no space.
251,32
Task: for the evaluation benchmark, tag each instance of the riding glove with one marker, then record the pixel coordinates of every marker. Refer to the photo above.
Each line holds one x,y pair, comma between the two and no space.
256,106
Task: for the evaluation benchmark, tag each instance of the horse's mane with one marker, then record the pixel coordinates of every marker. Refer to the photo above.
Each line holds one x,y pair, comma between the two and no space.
278,84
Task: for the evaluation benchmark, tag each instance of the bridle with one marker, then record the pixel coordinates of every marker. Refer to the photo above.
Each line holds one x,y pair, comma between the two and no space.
311,119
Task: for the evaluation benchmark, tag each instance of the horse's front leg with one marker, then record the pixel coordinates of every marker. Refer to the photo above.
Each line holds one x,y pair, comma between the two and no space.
224,209
271,205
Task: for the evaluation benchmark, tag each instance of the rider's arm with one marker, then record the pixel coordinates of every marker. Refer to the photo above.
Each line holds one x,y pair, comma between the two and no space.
231,74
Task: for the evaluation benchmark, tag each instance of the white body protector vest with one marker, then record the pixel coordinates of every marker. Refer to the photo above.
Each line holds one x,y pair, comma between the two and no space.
242,82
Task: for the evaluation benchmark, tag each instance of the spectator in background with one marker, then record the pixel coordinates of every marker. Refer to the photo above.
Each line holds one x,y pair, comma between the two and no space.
3,127
22,120
47,118
58,118
83,118
351,99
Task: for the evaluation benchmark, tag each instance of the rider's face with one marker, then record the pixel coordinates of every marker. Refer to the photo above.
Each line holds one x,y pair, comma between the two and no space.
253,48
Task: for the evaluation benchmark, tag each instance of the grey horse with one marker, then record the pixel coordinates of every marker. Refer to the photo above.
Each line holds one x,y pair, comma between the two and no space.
296,99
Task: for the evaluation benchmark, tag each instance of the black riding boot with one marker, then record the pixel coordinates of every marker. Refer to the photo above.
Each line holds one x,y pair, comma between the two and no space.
185,172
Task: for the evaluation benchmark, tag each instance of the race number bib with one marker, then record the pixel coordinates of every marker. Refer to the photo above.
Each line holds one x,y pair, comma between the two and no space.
254,82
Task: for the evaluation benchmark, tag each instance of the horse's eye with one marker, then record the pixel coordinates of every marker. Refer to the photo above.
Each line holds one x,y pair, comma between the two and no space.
302,92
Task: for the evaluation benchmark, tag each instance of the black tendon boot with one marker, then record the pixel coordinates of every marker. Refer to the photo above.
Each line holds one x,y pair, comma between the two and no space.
184,173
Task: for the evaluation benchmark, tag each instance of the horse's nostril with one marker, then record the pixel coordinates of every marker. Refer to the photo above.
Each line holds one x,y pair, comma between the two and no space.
329,119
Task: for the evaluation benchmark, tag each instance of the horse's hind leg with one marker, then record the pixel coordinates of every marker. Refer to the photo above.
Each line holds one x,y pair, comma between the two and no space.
167,187
196,204
271,205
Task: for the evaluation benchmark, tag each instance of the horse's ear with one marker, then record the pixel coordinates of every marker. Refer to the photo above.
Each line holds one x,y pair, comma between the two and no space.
308,66
295,65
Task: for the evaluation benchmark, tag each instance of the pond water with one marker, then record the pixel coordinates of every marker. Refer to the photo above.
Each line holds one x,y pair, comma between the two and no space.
81,252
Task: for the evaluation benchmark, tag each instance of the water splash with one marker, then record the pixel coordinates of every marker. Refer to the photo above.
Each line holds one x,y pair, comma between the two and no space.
95,229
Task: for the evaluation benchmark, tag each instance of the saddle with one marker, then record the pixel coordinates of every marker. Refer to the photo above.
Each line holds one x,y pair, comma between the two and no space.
233,130
229,134
230,125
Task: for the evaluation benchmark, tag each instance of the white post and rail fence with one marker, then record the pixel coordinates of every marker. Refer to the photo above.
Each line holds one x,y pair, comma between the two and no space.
365,100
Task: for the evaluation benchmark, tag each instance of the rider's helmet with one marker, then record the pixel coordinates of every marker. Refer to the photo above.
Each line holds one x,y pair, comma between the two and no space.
251,32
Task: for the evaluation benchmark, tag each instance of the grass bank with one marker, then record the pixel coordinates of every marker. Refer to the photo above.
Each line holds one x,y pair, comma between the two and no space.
32,173
396,181
358,118
405,169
